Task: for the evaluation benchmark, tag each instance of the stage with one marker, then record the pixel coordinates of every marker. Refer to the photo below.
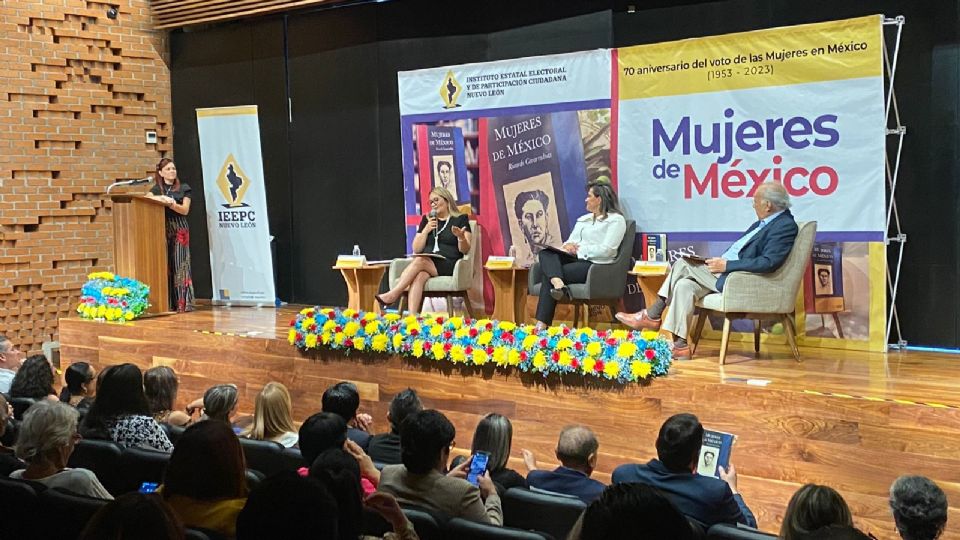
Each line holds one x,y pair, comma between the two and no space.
852,420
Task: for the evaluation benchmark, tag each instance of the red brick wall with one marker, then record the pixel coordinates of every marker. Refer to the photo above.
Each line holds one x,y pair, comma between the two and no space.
79,92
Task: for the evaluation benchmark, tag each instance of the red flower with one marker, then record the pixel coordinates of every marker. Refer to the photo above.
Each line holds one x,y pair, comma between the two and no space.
575,364
650,354
578,346
338,328
555,356
348,342
356,315
313,328
468,350
427,346
183,237
602,334
543,342
566,331
473,332
598,367
439,320
299,336
611,341
447,335
523,356
507,336
310,313
124,303
467,321
293,322
489,326
414,332
447,346
489,350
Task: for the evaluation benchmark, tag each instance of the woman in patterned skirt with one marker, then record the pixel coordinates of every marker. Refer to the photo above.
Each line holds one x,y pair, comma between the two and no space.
176,195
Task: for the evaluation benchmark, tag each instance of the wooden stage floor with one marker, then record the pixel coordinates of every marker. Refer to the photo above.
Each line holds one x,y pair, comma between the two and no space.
851,420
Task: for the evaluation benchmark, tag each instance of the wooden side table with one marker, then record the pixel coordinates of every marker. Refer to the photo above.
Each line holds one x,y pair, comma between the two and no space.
650,283
363,283
510,293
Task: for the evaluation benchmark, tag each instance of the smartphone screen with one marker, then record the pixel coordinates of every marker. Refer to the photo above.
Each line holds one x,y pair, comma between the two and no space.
478,464
148,487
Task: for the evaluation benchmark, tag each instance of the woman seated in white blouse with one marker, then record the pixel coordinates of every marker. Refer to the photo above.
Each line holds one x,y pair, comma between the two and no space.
595,240
46,439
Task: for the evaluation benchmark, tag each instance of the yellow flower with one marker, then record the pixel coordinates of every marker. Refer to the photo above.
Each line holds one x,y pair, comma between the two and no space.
413,326
79,308
484,338
462,333
128,315
325,338
585,332
539,360
627,349
329,325
457,354
640,370
553,330
369,316
594,348
292,336
102,275
306,322
359,343
529,342
456,322
588,364
513,357
436,330
409,319
565,359
379,342
310,340
437,350
418,348
480,357
392,317
649,335
338,338
372,327
101,311
348,313
611,368
507,326
397,340
500,355
306,310
351,328
482,324
109,315
564,343
619,334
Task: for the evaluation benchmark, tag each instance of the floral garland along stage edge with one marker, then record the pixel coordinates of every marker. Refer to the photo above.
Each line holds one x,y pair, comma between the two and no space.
112,298
617,355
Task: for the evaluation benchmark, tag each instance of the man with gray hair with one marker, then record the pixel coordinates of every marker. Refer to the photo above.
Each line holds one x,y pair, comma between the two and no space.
577,452
919,508
10,360
761,249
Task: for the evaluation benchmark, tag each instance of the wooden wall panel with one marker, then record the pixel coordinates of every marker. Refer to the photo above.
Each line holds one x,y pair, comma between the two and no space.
179,13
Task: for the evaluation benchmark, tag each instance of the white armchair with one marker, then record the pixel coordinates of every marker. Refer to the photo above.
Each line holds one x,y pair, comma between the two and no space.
448,287
760,296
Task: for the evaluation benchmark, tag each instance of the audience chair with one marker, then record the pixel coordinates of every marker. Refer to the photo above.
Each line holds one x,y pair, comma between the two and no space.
605,285
424,523
22,511
458,285
291,459
20,406
374,524
68,513
138,465
722,531
760,296
173,432
253,479
101,457
699,531
263,456
203,534
463,529
539,511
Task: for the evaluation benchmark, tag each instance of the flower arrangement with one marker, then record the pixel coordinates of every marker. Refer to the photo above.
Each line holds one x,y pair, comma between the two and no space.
616,355
112,298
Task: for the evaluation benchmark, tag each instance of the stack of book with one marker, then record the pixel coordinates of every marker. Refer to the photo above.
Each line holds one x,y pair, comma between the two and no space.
653,255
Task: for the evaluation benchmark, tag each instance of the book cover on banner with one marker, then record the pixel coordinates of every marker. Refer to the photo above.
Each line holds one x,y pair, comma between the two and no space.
442,162
536,164
715,452
823,283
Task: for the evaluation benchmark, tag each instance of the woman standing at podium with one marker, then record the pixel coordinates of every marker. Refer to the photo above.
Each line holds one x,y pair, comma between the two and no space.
176,195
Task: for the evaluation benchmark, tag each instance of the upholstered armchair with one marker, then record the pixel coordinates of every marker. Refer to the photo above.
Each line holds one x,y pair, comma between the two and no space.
449,287
605,283
760,296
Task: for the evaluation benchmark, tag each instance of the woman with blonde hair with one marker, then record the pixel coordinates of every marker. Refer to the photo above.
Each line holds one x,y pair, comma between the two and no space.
444,237
272,416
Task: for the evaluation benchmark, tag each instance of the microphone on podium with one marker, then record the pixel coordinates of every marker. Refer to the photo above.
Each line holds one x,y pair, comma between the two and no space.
135,182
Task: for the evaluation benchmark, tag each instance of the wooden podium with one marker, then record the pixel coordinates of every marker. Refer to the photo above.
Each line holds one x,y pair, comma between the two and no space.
140,245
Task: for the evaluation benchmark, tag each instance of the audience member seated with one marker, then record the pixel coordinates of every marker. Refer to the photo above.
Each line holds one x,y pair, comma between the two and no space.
34,379
494,435
47,436
78,389
577,452
919,508
704,498
8,457
134,516
10,360
343,398
836,532
339,472
219,402
632,511
121,413
811,508
287,505
272,416
426,438
160,386
205,481
385,447
320,432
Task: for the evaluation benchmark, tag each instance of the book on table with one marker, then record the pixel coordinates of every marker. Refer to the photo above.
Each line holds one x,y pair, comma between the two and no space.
715,452
653,247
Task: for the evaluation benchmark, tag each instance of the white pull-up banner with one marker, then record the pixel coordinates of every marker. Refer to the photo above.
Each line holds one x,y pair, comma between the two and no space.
240,263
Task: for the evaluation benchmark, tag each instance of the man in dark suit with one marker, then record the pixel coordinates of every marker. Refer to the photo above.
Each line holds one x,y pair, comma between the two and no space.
343,399
385,447
577,452
706,499
761,249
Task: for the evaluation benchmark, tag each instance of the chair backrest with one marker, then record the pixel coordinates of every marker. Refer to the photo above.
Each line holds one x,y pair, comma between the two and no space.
20,406
173,432
253,479
374,524
425,524
72,512
101,457
291,459
531,510
19,500
723,531
263,456
463,529
790,273
138,465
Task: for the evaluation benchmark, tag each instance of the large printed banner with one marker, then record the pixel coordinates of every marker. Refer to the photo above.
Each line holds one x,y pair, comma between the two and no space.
241,265
686,131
